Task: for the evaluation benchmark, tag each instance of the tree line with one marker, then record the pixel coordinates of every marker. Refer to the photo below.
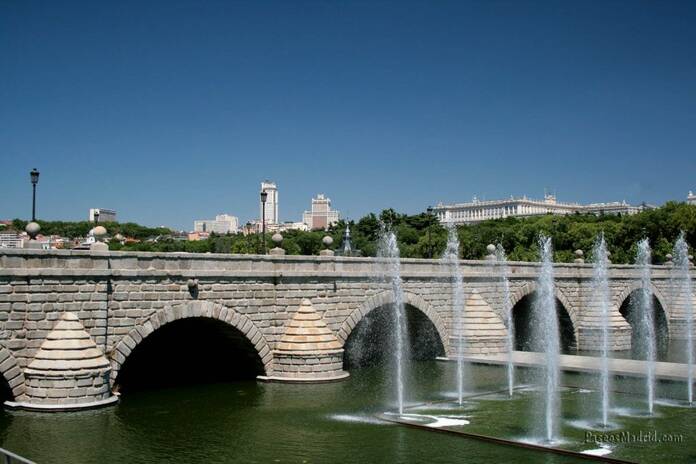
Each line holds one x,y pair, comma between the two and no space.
422,236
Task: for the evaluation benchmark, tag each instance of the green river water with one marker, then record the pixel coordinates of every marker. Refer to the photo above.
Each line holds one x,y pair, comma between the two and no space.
256,422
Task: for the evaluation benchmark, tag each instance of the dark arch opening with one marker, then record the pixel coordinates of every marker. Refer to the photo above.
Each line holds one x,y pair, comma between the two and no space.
5,390
189,351
522,316
373,340
630,310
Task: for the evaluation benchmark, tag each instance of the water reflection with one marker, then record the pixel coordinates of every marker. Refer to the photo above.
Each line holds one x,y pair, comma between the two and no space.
247,421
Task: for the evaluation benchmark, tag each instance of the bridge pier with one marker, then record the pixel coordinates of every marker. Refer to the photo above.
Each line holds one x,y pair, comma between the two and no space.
481,329
589,331
308,351
678,328
68,372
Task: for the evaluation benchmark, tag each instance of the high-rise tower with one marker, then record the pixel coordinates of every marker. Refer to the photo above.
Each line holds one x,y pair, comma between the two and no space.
271,202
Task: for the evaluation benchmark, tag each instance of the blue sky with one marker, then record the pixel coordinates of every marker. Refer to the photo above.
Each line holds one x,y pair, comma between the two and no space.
170,111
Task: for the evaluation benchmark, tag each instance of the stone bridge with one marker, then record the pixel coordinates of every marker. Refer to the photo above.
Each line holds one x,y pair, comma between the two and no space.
71,320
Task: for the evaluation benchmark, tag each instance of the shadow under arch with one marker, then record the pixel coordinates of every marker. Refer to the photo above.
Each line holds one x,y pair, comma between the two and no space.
631,303
656,293
195,342
369,337
387,298
526,338
11,377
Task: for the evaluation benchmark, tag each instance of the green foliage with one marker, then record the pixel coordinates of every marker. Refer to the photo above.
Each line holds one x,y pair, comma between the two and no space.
569,233
82,228
421,236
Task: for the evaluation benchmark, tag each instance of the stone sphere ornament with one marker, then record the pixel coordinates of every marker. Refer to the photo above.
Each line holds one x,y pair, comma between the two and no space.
32,229
277,239
579,257
327,240
490,248
99,232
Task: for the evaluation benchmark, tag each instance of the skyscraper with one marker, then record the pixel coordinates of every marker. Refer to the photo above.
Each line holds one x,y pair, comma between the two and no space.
271,202
321,216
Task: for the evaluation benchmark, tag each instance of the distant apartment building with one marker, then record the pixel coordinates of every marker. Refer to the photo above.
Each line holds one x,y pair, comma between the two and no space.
321,215
196,236
222,224
20,239
105,215
271,205
11,240
289,225
477,210
254,227
691,198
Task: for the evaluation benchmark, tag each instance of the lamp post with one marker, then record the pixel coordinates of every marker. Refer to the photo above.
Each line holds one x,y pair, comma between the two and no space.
430,245
96,217
34,175
264,195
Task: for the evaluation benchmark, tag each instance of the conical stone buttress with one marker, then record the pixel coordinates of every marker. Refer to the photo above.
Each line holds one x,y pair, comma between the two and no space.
69,371
483,331
308,351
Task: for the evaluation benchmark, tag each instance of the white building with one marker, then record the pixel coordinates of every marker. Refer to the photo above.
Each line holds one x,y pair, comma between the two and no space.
11,240
477,210
288,225
271,202
222,224
105,215
321,216
255,227
691,198
614,207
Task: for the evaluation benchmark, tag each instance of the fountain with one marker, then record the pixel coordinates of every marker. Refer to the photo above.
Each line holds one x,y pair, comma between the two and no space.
501,258
389,252
600,290
647,322
682,280
546,328
451,259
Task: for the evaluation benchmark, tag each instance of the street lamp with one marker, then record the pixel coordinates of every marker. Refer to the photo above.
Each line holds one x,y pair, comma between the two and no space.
96,216
430,246
264,196
34,175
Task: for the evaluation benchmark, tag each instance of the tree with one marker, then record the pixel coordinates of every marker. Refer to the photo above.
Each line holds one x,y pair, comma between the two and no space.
417,234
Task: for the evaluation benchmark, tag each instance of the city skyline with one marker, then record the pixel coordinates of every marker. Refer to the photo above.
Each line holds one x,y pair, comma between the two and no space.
343,99
300,217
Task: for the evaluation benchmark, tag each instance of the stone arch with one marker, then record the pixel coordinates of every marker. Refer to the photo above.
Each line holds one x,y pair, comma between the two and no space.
661,316
13,374
387,297
191,309
656,292
531,287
